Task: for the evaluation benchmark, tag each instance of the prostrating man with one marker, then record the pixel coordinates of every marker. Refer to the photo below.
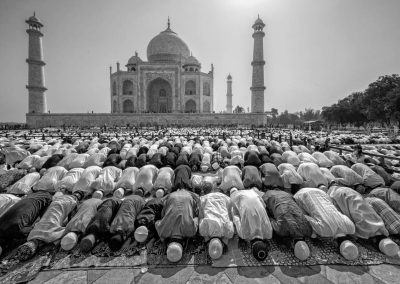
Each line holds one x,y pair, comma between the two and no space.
288,221
251,220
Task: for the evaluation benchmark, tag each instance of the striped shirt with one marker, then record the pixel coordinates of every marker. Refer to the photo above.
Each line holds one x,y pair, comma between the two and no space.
388,215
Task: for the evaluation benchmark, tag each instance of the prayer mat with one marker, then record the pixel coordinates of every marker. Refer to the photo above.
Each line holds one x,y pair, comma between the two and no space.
14,271
323,252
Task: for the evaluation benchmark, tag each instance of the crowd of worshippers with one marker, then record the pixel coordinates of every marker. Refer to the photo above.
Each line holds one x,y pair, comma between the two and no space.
134,190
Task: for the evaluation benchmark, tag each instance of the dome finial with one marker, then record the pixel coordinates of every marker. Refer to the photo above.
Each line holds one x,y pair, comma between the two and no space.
34,13
169,24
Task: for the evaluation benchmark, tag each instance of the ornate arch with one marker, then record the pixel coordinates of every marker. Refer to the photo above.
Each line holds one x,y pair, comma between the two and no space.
190,106
206,106
127,106
190,87
127,87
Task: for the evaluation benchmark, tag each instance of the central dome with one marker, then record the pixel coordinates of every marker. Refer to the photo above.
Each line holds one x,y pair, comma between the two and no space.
167,46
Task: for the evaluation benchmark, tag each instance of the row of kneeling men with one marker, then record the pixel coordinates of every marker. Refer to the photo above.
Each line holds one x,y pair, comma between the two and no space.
337,212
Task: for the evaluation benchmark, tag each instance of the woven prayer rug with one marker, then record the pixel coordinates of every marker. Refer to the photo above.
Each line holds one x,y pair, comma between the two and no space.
323,252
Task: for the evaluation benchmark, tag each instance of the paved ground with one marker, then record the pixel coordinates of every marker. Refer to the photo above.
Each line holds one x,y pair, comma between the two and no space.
205,274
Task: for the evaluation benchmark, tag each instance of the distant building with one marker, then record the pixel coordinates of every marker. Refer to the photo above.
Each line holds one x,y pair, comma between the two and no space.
170,81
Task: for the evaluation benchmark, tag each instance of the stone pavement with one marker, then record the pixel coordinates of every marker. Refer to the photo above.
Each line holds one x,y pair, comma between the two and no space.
319,274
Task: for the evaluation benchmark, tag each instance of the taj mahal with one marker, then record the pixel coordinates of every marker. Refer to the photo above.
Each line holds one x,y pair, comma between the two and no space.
170,81
169,88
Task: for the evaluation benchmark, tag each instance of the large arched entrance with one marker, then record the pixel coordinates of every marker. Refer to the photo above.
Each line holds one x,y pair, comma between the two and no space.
190,106
127,106
159,96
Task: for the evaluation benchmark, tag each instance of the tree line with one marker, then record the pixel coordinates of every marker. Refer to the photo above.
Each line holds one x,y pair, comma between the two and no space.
380,102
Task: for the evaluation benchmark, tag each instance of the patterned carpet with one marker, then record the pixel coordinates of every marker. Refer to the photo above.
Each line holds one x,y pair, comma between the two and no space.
323,252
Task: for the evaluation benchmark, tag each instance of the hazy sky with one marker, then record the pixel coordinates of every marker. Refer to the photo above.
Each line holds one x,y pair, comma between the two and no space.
316,51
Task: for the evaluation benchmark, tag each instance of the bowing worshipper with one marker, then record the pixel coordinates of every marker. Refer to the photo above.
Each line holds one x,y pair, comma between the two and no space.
388,179
32,162
66,184
326,220
25,184
171,157
216,224
335,158
197,183
179,221
141,160
183,159
163,183
291,179
217,161
99,227
145,180
312,176
50,178
272,178
126,182
105,182
329,176
307,157
322,160
209,184
146,219
84,184
251,158
371,179
231,177
157,160
288,221
14,154
251,220
79,161
182,178
96,159
112,160
390,217
51,227
195,160
123,224
391,197
345,176
368,224
130,162
52,161
67,160
251,177
291,158
17,221
277,159
6,202
76,227
205,162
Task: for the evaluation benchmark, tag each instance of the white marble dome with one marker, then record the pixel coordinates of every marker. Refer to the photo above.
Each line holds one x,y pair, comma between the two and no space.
167,46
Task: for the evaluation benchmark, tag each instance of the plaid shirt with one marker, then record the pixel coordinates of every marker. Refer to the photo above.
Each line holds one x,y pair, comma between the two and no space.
217,158
388,215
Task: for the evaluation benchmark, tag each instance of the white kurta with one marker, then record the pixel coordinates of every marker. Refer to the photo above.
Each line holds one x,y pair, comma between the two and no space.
249,215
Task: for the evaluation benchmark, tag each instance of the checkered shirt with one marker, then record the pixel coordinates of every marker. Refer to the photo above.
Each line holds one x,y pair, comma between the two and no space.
388,215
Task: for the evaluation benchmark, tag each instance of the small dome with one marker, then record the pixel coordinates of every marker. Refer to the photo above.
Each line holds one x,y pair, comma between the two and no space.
191,60
167,46
134,60
34,20
258,22
229,77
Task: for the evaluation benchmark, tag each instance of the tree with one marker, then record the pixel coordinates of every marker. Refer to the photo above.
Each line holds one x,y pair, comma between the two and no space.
274,112
238,109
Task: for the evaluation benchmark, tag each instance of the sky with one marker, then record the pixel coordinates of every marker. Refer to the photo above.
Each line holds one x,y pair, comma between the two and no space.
316,51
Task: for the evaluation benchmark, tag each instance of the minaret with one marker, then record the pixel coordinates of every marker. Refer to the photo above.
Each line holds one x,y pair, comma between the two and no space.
36,88
257,87
229,94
